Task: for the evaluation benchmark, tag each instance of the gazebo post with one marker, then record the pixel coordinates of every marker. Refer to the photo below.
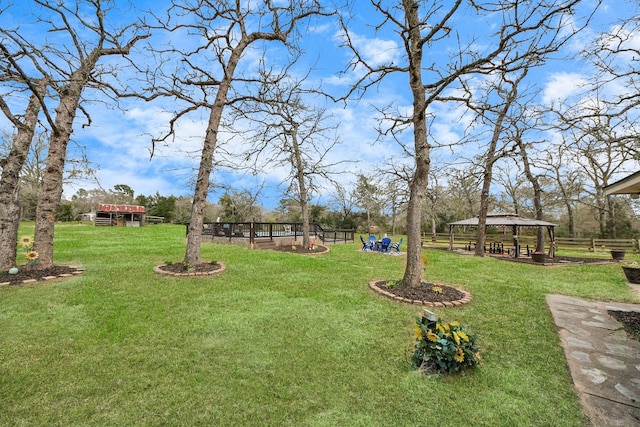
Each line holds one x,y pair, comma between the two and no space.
552,238
516,246
450,237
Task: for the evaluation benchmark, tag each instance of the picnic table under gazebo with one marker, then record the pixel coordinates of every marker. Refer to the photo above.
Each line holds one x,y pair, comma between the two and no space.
507,220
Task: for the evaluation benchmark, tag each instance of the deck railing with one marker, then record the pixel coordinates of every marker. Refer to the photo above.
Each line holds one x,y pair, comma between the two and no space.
263,231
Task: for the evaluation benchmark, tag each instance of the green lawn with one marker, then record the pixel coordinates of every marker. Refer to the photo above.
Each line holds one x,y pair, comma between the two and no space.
276,339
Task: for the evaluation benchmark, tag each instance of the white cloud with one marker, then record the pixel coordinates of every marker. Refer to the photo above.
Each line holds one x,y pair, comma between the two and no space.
561,86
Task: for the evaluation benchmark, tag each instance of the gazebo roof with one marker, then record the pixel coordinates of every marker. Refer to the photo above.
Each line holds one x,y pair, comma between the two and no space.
498,219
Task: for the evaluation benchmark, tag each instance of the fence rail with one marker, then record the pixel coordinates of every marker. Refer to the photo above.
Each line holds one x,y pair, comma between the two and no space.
586,243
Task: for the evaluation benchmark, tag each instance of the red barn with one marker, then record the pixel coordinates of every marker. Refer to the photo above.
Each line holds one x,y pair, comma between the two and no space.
120,215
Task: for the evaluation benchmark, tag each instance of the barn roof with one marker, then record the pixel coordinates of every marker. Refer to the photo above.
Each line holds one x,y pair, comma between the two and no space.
104,207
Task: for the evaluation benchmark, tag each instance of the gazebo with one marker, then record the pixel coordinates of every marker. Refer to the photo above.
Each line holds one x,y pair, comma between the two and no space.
507,220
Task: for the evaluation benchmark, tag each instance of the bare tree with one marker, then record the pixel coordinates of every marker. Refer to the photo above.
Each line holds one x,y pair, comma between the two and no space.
511,198
343,201
567,180
395,192
525,31
240,205
617,82
499,118
291,133
595,146
12,165
535,181
369,196
83,36
603,123
222,32
464,189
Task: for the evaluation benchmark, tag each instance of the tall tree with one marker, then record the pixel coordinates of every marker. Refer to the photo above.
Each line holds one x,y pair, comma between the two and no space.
83,36
12,165
343,202
369,196
499,117
523,31
289,132
222,32
567,180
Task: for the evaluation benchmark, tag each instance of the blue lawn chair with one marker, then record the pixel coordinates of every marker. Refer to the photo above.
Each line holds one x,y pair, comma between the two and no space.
396,245
366,246
384,245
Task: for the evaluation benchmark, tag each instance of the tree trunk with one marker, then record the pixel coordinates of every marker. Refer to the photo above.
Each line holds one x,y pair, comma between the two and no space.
420,180
52,178
490,157
9,203
537,194
537,204
602,211
194,235
572,222
567,203
302,187
509,97
612,234
481,235
434,236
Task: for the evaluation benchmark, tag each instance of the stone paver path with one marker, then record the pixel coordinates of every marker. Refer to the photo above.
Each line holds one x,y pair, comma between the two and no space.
604,362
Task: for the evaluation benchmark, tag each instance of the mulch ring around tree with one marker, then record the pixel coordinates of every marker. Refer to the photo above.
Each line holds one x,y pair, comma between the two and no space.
428,294
27,275
180,270
300,249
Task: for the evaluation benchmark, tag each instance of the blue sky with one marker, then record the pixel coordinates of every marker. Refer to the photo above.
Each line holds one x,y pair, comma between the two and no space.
119,142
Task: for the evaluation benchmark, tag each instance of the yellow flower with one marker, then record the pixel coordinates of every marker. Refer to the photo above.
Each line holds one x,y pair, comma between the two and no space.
440,328
432,337
418,331
463,336
455,324
459,356
456,338
26,241
32,255
447,327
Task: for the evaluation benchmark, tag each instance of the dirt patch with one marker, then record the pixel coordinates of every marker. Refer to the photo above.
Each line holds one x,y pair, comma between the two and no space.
299,249
29,274
630,320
